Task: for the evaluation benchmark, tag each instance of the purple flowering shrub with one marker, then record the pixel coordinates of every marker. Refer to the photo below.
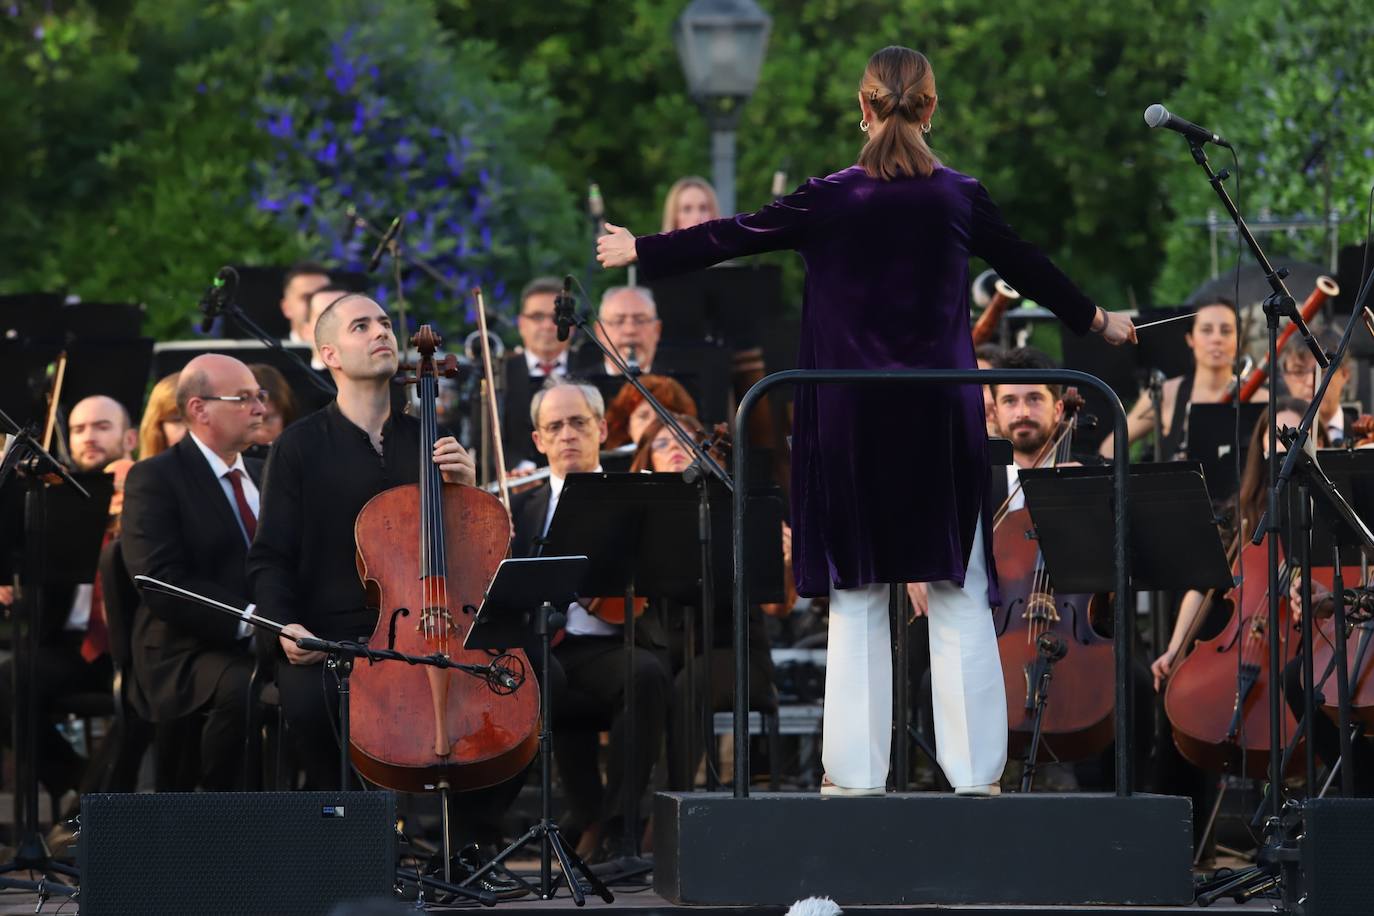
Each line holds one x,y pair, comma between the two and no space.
390,117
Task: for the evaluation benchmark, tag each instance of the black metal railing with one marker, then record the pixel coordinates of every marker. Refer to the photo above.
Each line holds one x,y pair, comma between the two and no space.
1124,631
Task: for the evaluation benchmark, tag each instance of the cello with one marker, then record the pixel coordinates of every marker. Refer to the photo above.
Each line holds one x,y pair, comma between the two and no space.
426,553
1079,715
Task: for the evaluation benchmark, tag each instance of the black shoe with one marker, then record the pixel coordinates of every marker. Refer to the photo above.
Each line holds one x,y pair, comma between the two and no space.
470,859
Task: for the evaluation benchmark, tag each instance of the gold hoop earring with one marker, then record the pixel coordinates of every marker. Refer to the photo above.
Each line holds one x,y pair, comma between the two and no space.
863,125
925,128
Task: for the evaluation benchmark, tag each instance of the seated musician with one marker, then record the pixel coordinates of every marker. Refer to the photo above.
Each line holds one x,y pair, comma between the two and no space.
72,638
190,514
1250,503
569,428
322,471
629,415
161,426
627,319
540,355
987,356
1214,343
301,281
1302,375
1030,416
661,451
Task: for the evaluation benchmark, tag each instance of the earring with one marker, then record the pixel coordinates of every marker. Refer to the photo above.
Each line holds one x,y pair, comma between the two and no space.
925,128
863,125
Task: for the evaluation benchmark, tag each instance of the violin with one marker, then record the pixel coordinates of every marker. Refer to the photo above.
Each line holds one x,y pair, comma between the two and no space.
1078,719
426,553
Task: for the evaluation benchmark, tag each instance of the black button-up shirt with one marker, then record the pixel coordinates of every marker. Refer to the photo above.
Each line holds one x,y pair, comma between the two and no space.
321,472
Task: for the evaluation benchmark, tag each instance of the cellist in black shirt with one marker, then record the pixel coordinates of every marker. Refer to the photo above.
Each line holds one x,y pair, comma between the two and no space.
302,569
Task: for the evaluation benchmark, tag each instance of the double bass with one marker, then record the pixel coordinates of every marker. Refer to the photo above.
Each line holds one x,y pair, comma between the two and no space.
1079,714
426,553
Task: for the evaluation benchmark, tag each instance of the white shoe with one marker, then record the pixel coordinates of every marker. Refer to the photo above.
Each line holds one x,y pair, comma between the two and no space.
987,791
829,788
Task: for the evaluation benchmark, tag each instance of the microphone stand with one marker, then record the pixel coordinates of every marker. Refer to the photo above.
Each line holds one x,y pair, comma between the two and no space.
342,656
230,307
703,466
423,266
38,469
1276,859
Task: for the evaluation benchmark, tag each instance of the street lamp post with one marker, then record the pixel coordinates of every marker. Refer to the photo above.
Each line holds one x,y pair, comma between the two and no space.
721,44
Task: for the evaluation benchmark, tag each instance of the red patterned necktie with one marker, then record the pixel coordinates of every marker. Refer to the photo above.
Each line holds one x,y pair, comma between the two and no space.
250,521
547,369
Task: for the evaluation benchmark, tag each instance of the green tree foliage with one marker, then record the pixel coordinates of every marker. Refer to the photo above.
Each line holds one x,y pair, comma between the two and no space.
150,154
1291,84
1042,101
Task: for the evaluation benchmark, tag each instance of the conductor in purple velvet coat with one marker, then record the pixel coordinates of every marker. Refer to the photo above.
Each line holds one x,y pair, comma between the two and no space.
888,483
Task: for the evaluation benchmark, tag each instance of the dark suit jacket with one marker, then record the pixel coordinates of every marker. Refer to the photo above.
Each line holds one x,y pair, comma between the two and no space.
528,511
180,528
517,390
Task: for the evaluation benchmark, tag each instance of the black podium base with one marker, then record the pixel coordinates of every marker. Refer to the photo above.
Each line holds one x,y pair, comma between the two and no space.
1034,849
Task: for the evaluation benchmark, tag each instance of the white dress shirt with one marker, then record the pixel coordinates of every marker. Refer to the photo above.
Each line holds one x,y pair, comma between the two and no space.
560,364
580,621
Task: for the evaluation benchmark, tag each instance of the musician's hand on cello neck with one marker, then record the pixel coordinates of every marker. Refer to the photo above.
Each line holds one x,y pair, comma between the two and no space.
454,461
1322,605
294,653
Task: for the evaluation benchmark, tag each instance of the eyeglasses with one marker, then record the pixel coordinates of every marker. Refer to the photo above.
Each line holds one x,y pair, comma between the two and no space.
579,425
1299,369
662,445
619,321
538,317
243,397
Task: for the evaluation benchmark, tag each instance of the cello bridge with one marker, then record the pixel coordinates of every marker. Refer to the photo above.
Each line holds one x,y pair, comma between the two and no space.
1040,606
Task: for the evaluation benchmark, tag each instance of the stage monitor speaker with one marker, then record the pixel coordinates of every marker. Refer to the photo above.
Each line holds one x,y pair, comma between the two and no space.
232,853
1336,877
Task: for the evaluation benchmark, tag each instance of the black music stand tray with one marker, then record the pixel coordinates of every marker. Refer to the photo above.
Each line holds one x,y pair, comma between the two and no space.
1212,437
1174,542
527,593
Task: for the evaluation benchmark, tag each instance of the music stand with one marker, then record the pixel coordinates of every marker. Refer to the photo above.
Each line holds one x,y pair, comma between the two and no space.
1173,540
527,593
1212,439
642,536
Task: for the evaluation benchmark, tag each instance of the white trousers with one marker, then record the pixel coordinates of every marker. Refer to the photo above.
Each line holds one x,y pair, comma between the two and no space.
966,679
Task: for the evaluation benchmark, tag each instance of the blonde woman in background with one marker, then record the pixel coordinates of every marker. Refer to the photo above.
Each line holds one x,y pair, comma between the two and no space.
691,200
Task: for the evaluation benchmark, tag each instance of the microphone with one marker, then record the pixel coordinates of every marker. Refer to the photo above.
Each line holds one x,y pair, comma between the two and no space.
631,361
1158,116
596,207
779,182
212,301
350,226
391,232
564,306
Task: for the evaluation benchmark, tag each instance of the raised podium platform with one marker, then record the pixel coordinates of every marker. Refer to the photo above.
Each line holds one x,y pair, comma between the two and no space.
1035,849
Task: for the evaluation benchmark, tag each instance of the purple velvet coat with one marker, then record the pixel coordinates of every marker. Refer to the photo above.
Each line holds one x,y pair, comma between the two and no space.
888,482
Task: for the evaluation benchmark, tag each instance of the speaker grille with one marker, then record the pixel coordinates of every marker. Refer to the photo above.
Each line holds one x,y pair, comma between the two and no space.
234,852
1335,850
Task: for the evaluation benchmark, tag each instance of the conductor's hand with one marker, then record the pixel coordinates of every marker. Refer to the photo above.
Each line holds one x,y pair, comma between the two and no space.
616,248
454,461
919,593
294,653
1114,327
